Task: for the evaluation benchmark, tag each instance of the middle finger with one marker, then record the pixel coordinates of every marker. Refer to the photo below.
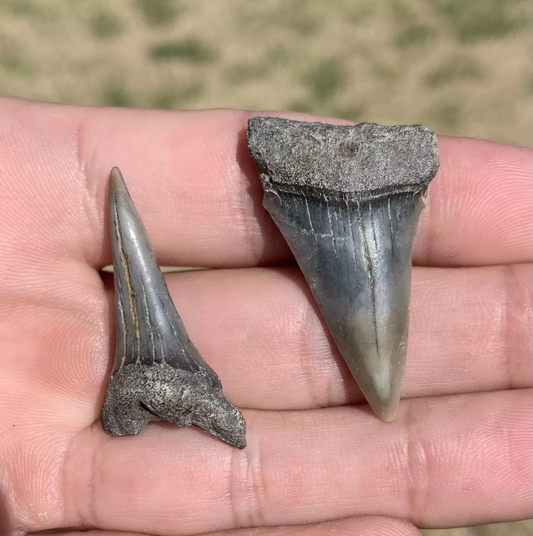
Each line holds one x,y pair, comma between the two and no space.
261,331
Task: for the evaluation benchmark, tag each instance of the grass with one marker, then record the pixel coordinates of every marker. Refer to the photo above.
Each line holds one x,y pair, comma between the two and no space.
298,16
18,7
325,79
277,56
351,113
116,95
302,106
242,72
458,68
476,20
385,72
105,25
15,65
171,97
190,50
410,31
159,12
448,115
401,12
414,35
357,13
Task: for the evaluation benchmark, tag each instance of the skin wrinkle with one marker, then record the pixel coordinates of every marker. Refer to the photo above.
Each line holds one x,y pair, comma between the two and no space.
423,254
78,321
258,486
8,504
515,324
318,389
416,468
505,437
245,488
254,487
485,194
91,517
234,462
361,526
94,217
65,456
79,516
337,372
255,241
304,338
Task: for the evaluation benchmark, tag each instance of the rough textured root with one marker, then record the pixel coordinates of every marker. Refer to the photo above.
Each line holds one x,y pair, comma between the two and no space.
138,394
342,162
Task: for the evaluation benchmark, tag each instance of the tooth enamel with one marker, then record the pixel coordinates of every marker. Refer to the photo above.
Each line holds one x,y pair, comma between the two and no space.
158,373
347,200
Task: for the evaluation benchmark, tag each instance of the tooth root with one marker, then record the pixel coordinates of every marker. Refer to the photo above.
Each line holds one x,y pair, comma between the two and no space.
158,373
347,200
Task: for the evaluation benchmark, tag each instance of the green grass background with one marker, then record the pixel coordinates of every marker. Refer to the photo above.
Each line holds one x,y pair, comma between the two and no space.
460,67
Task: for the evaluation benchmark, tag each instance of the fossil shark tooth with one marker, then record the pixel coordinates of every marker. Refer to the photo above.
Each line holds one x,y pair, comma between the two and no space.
347,200
158,373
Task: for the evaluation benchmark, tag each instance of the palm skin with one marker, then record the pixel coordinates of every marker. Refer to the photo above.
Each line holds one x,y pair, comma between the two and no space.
317,460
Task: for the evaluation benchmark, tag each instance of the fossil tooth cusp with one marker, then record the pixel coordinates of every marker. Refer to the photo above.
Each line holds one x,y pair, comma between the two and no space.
347,200
158,373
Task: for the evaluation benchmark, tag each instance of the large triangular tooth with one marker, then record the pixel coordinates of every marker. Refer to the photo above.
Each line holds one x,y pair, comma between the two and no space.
347,199
158,373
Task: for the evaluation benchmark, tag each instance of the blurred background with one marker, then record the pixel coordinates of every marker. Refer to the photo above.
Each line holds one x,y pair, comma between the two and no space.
460,67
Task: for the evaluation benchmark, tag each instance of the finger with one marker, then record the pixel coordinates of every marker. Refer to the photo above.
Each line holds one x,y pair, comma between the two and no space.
479,206
262,333
437,465
361,526
197,190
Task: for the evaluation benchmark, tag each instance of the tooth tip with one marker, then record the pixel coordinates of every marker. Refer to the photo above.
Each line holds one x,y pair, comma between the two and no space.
386,411
116,182
239,439
116,174
384,402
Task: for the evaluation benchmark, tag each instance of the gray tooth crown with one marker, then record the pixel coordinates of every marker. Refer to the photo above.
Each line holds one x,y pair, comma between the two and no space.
158,373
347,200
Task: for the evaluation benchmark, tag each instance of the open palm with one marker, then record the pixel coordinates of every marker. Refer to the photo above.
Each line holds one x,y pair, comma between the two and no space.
317,459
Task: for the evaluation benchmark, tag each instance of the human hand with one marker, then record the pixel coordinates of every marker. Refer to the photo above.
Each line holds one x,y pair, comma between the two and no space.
459,450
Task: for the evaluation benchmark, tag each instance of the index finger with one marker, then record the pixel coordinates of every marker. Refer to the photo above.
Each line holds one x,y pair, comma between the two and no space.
197,190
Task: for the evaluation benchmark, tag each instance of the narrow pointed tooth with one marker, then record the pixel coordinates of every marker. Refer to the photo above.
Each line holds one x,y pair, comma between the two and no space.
158,373
347,199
